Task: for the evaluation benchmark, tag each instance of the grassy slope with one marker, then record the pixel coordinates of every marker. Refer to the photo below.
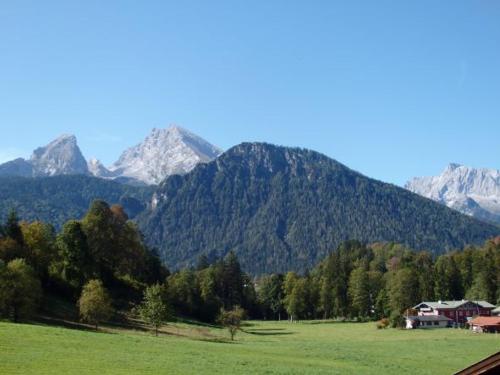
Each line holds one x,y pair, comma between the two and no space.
265,347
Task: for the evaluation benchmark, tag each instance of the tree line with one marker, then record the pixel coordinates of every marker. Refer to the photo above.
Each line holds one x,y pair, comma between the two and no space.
381,281
101,264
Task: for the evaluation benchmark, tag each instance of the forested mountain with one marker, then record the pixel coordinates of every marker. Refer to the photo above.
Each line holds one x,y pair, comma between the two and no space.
60,198
284,209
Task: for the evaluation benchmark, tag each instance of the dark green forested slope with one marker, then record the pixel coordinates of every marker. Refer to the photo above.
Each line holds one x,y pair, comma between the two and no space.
58,199
284,209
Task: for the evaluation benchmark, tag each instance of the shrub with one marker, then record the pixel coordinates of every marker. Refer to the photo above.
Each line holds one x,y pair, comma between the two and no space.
383,323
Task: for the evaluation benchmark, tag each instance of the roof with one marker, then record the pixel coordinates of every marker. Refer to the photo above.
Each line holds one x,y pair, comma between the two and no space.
488,365
486,321
429,318
453,304
496,310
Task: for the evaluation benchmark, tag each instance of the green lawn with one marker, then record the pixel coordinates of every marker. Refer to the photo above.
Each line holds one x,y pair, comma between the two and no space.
265,348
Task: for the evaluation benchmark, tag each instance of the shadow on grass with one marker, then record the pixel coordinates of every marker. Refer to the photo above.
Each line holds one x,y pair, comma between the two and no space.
196,323
55,322
268,332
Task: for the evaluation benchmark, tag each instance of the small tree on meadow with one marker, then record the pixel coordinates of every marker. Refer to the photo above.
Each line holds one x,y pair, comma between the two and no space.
153,309
232,319
95,303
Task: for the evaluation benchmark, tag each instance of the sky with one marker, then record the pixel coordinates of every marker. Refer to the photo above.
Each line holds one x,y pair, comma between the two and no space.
393,89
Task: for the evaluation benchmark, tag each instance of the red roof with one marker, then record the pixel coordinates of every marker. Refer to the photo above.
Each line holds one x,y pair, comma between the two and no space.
486,321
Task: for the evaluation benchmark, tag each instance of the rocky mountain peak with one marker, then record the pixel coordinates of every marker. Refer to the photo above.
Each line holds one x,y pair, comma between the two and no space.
97,169
473,191
164,152
61,156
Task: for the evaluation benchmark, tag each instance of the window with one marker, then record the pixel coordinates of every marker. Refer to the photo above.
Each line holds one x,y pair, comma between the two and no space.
429,323
436,323
460,313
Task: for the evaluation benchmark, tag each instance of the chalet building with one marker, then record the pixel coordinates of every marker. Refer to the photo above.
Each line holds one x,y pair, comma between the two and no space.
496,312
460,312
488,324
427,321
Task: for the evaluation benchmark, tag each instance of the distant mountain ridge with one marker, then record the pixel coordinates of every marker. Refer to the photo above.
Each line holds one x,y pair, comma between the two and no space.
164,152
472,191
57,199
284,209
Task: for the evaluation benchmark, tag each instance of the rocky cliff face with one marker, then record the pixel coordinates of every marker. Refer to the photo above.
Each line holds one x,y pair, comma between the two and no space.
163,153
475,192
62,156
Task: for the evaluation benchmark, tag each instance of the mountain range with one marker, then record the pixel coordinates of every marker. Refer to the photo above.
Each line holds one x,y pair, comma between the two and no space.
278,208
164,152
475,192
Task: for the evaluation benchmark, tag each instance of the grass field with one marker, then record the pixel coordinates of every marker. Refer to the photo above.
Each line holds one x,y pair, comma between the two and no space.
264,348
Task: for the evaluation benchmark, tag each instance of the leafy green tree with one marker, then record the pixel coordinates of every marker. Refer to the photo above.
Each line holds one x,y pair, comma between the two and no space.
74,254
154,309
295,296
20,290
210,300
183,292
12,228
479,288
94,303
424,266
271,294
403,290
232,319
448,280
39,240
359,291
232,280
101,238
326,296
10,250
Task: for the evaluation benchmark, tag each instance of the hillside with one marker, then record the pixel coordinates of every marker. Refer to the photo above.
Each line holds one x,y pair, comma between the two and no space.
284,209
60,198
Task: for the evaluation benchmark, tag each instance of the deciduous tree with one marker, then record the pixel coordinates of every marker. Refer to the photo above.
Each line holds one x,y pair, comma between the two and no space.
94,303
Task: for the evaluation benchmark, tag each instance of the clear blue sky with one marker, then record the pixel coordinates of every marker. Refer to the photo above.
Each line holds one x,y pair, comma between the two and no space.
393,89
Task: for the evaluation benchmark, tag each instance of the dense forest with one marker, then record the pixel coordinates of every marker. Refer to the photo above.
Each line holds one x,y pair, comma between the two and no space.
282,209
102,260
58,199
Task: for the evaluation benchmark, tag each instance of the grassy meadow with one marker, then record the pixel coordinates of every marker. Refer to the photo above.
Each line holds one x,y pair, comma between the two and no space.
263,347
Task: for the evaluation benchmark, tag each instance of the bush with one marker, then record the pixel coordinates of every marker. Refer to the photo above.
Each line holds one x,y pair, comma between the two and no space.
383,323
